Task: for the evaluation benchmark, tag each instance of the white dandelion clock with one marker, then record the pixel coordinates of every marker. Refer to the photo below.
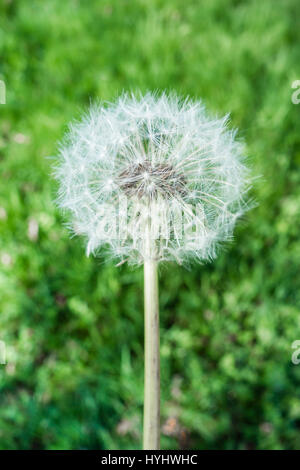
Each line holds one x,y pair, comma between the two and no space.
152,178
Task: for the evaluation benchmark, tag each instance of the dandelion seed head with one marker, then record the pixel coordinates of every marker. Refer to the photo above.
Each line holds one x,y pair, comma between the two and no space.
152,167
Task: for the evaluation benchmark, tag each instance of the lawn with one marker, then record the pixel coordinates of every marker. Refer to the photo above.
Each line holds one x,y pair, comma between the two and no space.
73,326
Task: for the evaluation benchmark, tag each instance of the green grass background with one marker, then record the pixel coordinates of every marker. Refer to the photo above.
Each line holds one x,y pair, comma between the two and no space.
73,326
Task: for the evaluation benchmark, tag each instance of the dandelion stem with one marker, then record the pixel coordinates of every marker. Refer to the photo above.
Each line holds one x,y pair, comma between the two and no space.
152,360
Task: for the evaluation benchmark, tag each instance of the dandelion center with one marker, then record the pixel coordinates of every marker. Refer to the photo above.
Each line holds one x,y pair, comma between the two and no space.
152,179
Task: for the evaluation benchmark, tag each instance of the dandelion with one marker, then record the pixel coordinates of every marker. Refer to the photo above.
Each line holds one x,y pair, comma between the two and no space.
152,178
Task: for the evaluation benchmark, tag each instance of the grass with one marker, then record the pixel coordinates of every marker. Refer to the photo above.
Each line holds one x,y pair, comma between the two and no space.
73,326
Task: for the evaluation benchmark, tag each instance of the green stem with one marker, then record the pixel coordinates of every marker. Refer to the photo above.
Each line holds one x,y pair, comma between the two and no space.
152,359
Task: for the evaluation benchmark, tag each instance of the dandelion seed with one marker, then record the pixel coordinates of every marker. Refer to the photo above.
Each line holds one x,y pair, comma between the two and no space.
153,149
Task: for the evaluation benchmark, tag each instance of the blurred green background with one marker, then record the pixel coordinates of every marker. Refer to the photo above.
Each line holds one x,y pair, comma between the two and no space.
73,326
